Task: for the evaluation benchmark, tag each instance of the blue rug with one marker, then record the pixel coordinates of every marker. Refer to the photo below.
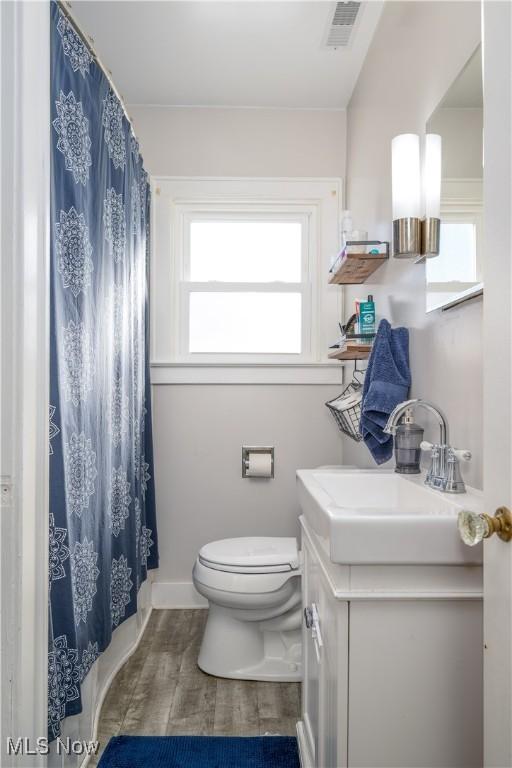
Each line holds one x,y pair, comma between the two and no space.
201,752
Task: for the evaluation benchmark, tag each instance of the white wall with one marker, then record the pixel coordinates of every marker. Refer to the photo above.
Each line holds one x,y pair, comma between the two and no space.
417,51
199,430
24,312
199,433
462,131
241,142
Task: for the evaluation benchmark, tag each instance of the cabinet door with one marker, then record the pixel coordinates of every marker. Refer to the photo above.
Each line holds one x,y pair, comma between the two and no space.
311,656
416,684
333,626
325,658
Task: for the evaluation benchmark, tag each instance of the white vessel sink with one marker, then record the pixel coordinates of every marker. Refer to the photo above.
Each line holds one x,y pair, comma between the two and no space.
374,517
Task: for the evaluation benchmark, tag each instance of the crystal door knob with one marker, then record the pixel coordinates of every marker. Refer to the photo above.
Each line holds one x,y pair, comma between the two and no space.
474,527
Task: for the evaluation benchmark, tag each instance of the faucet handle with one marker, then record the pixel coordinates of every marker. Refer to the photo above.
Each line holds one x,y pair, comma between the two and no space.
453,482
462,454
433,471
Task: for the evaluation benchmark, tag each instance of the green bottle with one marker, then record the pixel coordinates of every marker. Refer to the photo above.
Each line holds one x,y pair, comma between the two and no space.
367,317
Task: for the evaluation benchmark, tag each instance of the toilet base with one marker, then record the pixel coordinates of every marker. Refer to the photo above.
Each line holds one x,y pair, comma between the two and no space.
251,650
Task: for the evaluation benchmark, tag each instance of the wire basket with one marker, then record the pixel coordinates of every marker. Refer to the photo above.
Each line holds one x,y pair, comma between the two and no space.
349,419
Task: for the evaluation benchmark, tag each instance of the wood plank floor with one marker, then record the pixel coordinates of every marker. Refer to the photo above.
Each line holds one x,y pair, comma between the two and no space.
161,691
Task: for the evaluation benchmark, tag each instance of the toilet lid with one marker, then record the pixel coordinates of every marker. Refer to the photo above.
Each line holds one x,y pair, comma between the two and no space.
251,554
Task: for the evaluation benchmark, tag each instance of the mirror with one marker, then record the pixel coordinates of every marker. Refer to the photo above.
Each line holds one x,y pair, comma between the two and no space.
456,274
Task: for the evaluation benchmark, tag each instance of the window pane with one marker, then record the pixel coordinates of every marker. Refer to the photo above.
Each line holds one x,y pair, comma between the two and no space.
457,260
245,322
246,251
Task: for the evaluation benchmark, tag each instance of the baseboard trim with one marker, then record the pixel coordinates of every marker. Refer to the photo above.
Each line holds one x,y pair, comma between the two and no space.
306,760
108,682
176,594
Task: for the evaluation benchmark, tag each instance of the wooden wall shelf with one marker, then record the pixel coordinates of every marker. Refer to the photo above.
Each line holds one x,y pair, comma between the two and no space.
356,268
352,352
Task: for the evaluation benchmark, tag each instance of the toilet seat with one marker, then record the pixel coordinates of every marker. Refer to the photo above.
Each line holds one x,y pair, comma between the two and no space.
240,583
251,555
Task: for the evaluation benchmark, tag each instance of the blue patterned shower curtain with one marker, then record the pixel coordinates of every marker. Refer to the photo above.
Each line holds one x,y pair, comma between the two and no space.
102,501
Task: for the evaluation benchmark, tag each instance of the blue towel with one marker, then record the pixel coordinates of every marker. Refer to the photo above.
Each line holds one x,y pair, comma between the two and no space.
386,384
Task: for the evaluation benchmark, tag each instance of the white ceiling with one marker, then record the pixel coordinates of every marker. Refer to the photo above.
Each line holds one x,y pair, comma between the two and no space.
239,53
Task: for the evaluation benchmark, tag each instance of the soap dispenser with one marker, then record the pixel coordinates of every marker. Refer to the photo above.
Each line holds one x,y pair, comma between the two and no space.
408,438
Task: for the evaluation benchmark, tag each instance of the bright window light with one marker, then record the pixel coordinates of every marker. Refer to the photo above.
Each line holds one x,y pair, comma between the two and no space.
246,251
457,261
245,322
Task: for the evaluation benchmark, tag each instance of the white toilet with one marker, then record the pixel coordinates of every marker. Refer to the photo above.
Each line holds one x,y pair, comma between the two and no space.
253,586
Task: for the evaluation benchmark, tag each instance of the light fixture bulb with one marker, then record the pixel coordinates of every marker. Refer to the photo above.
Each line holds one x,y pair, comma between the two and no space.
432,176
406,179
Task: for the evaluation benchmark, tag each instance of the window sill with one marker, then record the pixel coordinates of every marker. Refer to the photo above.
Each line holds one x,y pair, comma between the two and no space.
244,373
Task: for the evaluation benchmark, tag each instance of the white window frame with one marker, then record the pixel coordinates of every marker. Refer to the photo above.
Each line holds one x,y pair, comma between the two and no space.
317,203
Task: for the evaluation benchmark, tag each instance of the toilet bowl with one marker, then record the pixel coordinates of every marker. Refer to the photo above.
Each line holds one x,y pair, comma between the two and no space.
253,587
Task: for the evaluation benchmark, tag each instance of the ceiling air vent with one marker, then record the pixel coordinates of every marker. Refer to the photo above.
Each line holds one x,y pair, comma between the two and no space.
342,24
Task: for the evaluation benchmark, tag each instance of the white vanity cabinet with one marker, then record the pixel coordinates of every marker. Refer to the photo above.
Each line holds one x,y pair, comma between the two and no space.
392,664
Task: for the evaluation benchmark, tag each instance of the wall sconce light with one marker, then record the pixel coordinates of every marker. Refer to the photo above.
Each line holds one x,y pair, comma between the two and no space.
431,226
406,179
413,236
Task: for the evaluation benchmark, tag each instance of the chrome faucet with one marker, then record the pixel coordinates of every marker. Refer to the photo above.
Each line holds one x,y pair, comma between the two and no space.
444,471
